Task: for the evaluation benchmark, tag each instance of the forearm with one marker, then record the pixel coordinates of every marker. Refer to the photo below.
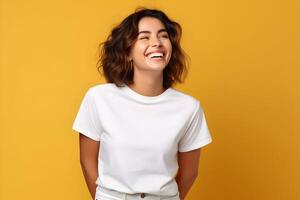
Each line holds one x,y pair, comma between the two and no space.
184,184
90,173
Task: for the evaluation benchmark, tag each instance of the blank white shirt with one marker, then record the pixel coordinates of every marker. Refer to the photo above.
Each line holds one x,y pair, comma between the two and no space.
140,136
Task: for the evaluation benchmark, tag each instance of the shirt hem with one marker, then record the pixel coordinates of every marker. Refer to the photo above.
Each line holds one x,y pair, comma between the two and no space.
86,133
196,146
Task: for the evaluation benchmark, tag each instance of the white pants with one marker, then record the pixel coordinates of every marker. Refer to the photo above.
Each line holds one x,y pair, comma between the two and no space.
108,194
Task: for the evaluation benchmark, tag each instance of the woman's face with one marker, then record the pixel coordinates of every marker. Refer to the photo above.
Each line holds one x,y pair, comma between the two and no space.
152,49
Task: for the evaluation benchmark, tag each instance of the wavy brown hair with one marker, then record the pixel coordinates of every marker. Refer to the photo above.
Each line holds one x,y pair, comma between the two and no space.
114,51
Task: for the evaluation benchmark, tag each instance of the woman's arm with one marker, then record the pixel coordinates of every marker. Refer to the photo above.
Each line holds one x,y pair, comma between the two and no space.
188,170
89,150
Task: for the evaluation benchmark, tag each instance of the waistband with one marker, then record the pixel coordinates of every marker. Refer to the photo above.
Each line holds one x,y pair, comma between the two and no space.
117,195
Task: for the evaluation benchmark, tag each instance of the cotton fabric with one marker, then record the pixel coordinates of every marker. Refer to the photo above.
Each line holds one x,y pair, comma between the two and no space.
140,136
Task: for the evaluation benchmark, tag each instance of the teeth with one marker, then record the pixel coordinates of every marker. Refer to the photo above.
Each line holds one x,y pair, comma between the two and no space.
151,55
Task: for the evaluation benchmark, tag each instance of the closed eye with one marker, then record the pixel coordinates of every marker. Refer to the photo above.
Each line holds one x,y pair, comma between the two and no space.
144,38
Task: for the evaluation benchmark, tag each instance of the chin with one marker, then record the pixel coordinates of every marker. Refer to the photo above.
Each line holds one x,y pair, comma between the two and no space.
158,67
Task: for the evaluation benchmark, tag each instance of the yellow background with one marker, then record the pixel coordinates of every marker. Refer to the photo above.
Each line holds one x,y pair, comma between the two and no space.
244,70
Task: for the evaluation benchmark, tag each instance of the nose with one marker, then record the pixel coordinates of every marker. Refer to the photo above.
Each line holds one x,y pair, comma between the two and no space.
156,42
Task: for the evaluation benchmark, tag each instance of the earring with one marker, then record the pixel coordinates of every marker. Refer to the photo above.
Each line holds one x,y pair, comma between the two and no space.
131,65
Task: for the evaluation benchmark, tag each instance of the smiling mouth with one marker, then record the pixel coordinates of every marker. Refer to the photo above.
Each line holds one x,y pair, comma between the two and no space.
156,56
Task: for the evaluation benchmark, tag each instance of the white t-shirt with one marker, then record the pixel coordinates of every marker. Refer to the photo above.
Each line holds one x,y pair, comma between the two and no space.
140,136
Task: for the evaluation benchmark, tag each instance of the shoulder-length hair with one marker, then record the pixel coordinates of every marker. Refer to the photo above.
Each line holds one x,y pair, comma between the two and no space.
115,50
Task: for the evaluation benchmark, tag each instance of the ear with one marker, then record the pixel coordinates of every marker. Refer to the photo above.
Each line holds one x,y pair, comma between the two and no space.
129,57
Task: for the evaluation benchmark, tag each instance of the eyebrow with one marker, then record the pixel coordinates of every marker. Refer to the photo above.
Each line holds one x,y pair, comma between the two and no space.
159,31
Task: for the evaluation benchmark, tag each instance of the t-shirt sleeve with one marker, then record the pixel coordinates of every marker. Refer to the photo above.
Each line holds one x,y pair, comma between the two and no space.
197,134
87,120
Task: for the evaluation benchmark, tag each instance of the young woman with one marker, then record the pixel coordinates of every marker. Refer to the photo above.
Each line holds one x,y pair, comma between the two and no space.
139,137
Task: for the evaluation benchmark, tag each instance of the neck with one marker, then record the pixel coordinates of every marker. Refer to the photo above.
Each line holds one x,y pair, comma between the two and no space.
148,85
